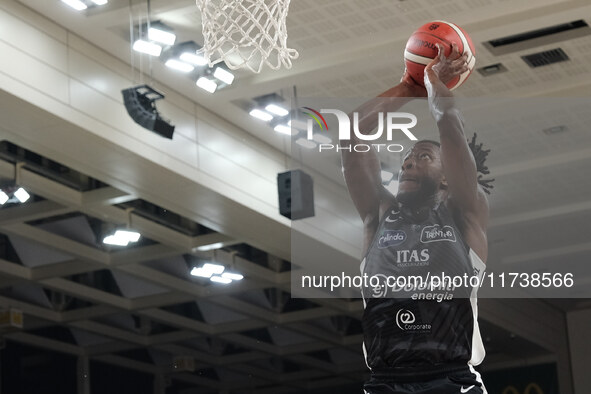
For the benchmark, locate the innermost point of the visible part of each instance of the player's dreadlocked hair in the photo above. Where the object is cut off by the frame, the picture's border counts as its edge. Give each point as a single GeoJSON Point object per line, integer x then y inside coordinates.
{"type": "Point", "coordinates": [480, 157]}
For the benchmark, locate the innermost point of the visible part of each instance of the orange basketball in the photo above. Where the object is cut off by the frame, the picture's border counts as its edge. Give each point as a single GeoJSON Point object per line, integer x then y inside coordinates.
{"type": "Point", "coordinates": [421, 49]}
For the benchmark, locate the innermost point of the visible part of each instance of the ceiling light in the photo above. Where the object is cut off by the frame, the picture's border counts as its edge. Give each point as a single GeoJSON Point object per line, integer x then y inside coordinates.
{"type": "Point", "coordinates": [193, 58]}
{"type": "Point", "coordinates": [158, 34]}
{"type": "Point", "coordinates": [492, 69]}
{"type": "Point", "coordinates": [13, 194]}
{"type": "Point", "coordinates": [131, 236]}
{"type": "Point", "coordinates": [147, 47]}
{"type": "Point", "coordinates": [284, 129]}
{"type": "Point", "coordinates": [232, 276]}
{"type": "Point", "coordinates": [219, 279]}
{"type": "Point", "coordinates": [76, 4]}
{"type": "Point", "coordinates": [223, 75]}
{"type": "Point", "coordinates": [277, 110]}
{"type": "Point", "coordinates": [122, 238]}
{"type": "Point", "coordinates": [262, 115]}
{"type": "Point", "coordinates": [321, 139]}
{"type": "Point", "coordinates": [179, 66]}
{"type": "Point", "coordinates": [22, 194]}
{"type": "Point", "coordinates": [3, 197]}
{"type": "Point", "coordinates": [207, 84]}
{"type": "Point", "coordinates": [214, 268]}
{"type": "Point", "coordinates": [208, 270]}
{"type": "Point", "coordinates": [202, 272]}
{"type": "Point", "coordinates": [306, 143]}
{"type": "Point", "coordinates": [113, 240]}
{"type": "Point", "coordinates": [205, 248]}
{"type": "Point", "coordinates": [100, 2]}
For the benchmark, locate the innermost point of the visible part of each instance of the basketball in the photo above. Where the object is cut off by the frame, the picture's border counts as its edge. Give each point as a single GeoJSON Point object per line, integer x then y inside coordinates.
{"type": "Point", "coordinates": [421, 48]}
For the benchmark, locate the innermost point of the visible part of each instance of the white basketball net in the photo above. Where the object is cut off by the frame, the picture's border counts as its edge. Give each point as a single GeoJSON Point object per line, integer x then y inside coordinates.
{"type": "Point", "coordinates": [246, 33]}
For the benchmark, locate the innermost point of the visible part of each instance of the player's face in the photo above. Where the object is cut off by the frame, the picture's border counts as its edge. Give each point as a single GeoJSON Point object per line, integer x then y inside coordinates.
{"type": "Point", "coordinates": [421, 174]}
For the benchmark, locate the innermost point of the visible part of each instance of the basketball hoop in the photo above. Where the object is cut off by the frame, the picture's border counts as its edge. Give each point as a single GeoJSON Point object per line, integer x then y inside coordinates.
{"type": "Point", "coordinates": [246, 33]}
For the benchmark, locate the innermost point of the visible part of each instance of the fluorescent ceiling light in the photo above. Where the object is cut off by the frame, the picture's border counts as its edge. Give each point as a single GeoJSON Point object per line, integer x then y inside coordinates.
{"type": "Point", "coordinates": [205, 248]}
{"type": "Point", "coordinates": [122, 238]}
{"type": "Point", "coordinates": [232, 276]}
{"type": "Point", "coordinates": [321, 139]}
{"type": "Point", "coordinates": [306, 143]}
{"type": "Point", "coordinates": [277, 110]}
{"type": "Point", "coordinates": [219, 279]}
{"type": "Point", "coordinates": [113, 240]}
{"type": "Point", "coordinates": [162, 36]}
{"type": "Point", "coordinates": [100, 2]}
{"type": "Point", "coordinates": [3, 198]}
{"type": "Point", "coordinates": [223, 75]}
{"type": "Point", "coordinates": [208, 270]}
{"type": "Point", "coordinates": [22, 195]}
{"type": "Point", "coordinates": [193, 58]}
{"type": "Point", "coordinates": [202, 272]}
{"type": "Point", "coordinates": [262, 115]}
{"type": "Point", "coordinates": [147, 47]}
{"type": "Point", "coordinates": [179, 66]}
{"type": "Point", "coordinates": [214, 268]}
{"type": "Point", "coordinates": [207, 84]}
{"type": "Point", "coordinates": [131, 236]}
{"type": "Point", "coordinates": [76, 4]}
{"type": "Point", "coordinates": [284, 129]}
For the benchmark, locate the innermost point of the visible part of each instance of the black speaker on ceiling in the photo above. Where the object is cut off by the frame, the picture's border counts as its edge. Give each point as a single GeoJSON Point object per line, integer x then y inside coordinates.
{"type": "Point", "coordinates": [296, 194]}
{"type": "Point", "coordinates": [139, 102]}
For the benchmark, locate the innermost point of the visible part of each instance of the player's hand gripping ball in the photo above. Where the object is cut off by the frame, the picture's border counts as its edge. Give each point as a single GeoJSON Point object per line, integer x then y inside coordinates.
{"type": "Point", "coordinates": [421, 48]}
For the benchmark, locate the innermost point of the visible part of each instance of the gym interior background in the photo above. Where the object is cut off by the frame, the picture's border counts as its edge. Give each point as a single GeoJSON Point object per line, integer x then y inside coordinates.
{"type": "Point", "coordinates": [82, 316]}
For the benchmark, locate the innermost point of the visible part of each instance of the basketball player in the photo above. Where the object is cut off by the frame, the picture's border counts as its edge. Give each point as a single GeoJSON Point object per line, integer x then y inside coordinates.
{"type": "Point", "coordinates": [436, 222]}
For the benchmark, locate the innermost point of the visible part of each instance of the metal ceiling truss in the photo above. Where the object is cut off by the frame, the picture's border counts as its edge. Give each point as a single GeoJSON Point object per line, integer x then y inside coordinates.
{"type": "Point", "coordinates": [99, 203]}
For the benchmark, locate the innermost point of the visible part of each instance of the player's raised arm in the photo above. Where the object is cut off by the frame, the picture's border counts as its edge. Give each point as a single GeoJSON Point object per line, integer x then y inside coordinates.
{"type": "Point", "coordinates": [362, 170]}
{"type": "Point", "coordinates": [458, 162]}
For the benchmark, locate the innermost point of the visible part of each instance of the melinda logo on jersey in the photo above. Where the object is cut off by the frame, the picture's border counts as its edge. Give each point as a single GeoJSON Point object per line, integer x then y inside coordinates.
{"type": "Point", "coordinates": [395, 121]}
{"type": "Point", "coordinates": [391, 238]}
{"type": "Point", "coordinates": [405, 320]}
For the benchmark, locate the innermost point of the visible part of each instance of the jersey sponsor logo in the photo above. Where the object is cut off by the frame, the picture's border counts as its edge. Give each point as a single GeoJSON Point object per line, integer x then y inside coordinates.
{"type": "Point", "coordinates": [437, 233]}
{"type": "Point", "coordinates": [466, 389]}
{"type": "Point", "coordinates": [391, 238]}
{"type": "Point", "coordinates": [412, 258]}
{"type": "Point", "coordinates": [406, 321]}
{"type": "Point", "coordinates": [404, 316]}
{"type": "Point", "coordinates": [393, 216]}
{"type": "Point", "coordinates": [380, 289]}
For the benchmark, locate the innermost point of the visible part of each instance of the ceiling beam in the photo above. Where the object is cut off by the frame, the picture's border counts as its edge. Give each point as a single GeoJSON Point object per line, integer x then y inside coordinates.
{"type": "Point", "coordinates": [33, 211]}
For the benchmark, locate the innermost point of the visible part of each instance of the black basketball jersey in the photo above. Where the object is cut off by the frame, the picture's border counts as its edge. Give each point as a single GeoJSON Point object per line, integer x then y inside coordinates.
{"type": "Point", "coordinates": [418, 329]}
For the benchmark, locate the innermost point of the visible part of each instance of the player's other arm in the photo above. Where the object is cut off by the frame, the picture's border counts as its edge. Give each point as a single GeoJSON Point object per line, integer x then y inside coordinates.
{"type": "Point", "coordinates": [458, 162]}
{"type": "Point", "coordinates": [362, 170]}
